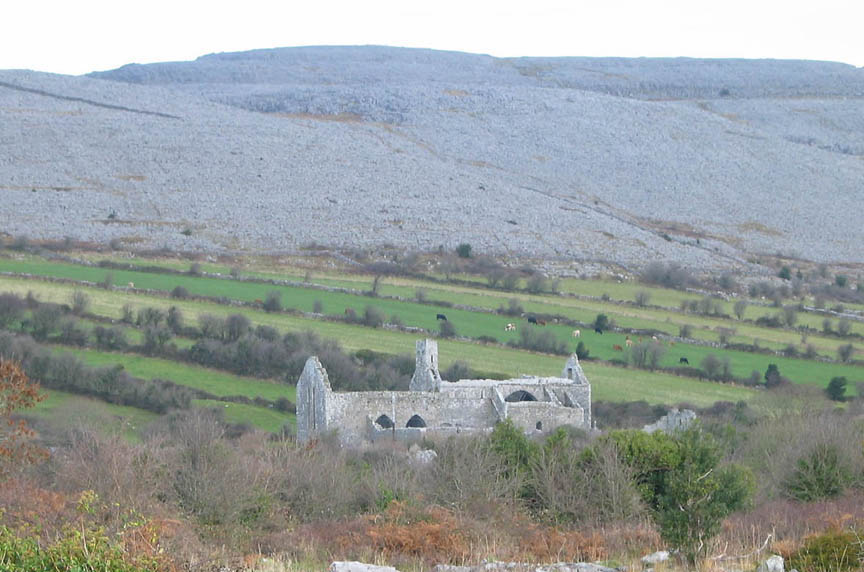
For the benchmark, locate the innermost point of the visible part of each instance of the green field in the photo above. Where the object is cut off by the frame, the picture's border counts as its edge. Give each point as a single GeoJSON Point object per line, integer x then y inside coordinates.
{"type": "Point", "coordinates": [259, 417]}
{"type": "Point", "coordinates": [609, 382]}
{"type": "Point", "coordinates": [354, 337]}
{"type": "Point", "coordinates": [107, 417]}
{"type": "Point", "coordinates": [215, 382]}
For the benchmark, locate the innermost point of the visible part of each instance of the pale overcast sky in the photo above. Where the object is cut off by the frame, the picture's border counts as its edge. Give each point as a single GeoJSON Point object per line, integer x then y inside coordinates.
{"type": "Point", "coordinates": [78, 36]}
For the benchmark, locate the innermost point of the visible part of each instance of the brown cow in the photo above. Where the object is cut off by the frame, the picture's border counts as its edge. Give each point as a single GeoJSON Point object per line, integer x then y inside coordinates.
{"type": "Point", "coordinates": [617, 348]}
{"type": "Point", "coordinates": [541, 322]}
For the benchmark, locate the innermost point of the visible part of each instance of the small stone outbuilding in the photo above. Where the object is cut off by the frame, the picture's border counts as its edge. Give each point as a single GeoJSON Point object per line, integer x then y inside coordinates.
{"type": "Point", "coordinates": [435, 406]}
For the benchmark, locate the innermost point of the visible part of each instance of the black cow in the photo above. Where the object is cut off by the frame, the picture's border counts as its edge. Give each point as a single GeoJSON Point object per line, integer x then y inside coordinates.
{"type": "Point", "coordinates": [441, 317]}
{"type": "Point", "coordinates": [532, 320]}
{"type": "Point", "coordinates": [684, 360]}
{"type": "Point", "coordinates": [598, 331]}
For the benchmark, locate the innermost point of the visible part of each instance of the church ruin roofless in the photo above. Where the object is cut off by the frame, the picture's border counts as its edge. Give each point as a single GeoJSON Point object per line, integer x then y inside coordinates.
{"type": "Point", "coordinates": [434, 406]}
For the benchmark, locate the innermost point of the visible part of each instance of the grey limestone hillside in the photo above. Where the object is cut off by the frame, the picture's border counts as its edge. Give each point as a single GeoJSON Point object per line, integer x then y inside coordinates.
{"type": "Point", "coordinates": [585, 159]}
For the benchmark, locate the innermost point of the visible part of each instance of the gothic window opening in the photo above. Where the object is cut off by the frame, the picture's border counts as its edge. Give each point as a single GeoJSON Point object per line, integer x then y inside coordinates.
{"type": "Point", "coordinates": [415, 421]}
{"type": "Point", "coordinates": [384, 422]}
{"type": "Point", "coordinates": [520, 395]}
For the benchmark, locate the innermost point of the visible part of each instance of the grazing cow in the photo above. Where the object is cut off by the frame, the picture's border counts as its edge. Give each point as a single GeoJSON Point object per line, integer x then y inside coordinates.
{"type": "Point", "coordinates": [258, 301]}
{"type": "Point", "coordinates": [576, 333]}
{"type": "Point", "coordinates": [654, 338]}
{"type": "Point", "coordinates": [617, 348]}
{"type": "Point", "coordinates": [541, 322]}
{"type": "Point", "coordinates": [628, 342]}
{"type": "Point", "coordinates": [598, 331]}
{"type": "Point", "coordinates": [440, 317]}
{"type": "Point", "coordinates": [510, 328]}
{"type": "Point", "coordinates": [671, 343]}
{"type": "Point", "coordinates": [684, 360]}
{"type": "Point", "coordinates": [131, 284]}
{"type": "Point", "coordinates": [532, 320]}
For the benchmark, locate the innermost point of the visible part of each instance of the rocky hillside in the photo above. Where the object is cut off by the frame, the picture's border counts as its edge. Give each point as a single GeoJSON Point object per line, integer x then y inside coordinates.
{"type": "Point", "coordinates": [586, 159]}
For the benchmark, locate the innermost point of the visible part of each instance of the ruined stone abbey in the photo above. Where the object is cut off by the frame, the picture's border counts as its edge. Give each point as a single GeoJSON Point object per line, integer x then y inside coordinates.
{"type": "Point", "coordinates": [435, 406]}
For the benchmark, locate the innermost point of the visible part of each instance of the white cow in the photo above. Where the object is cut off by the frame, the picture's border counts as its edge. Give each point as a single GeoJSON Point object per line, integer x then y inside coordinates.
{"type": "Point", "coordinates": [510, 328]}
{"type": "Point", "coordinates": [576, 333]}
{"type": "Point", "coordinates": [131, 284]}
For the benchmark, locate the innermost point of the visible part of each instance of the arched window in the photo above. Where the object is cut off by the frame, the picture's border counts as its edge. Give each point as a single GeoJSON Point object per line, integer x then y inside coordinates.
{"type": "Point", "coordinates": [415, 421]}
{"type": "Point", "coordinates": [520, 395]}
{"type": "Point", "coordinates": [384, 422]}
{"type": "Point", "coordinates": [539, 426]}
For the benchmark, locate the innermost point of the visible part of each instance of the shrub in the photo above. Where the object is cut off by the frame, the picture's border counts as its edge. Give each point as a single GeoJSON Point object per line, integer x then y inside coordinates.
{"type": "Point", "coordinates": [727, 282]}
{"type": "Point", "coordinates": [772, 376]}
{"type": "Point", "coordinates": [78, 549]}
{"type": "Point", "coordinates": [699, 493]}
{"type": "Point", "coordinates": [832, 551]}
{"type": "Point", "coordinates": [819, 474]}
{"type": "Point", "coordinates": [513, 308]}
{"type": "Point", "coordinates": [127, 314]}
{"type": "Point", "coordinates": [711, 365]}
{"type": "Point", "coordinates": [685, 330]}
{"type": "Point", "coordinates": [844, 327]}
{"type": "Point", "coordinates": [769, 321]}
{"type": "Point", "coordinates": [446, 329]}
{"type": "Point", "coordinates": [582, 351]}
{"type": "Point", "coordinates": [71, 333]}
{"type": "Point", "coordinates": [790, 315]}
{"type": "Point", "coordinates": [536, 284]}
{"type": "Point", "coordinates": [155, 338]}
{"type": "Point", "coordinates": [175, 319]}
{"type": "Point", "coordinates": [109, 338]}
{"type": "Point", "coordinates": [180, 292]}
{"type": "Point", "coordinates": [836, 390]}
{"type": "Point", "coordinates": [670, 275]}
{"type": "Point", "coordinates": [107, 282]}
{"type": "Point", "coordinates": [267, 333]}
{"type": "Point", "coordinates": [509, 281]}
{"type": "Point", "coordinates": [45, 320]}
{"type": "Point", "coordinates": [80, 302]}
{"type": "Point", "coordinates": [646, 355]}
{"type": "Point", "coordinates": [150, 317]}
{"type": "Point", "coordinates": [211, 326]}
{"type": "Point", "coordinates": [785, 273]}
{"type": "Point", "coordinates": [533, 339]}
{"type": "Point", "coordinates": [601, 322]}
{"type": "Point", "coordinates": [463, 250]}
{"type": "Point", "coordinates": [846, 352]}
{"type": "Point", "coordinates": [457, 370]}
{"type": "Point", "coordinates": [841, 280]}
{"type": "Point", "coordinates": [273, 301]}
{"type": "Point", "coordinates": [317, 307]}
{"type": "Point", "coordinates": [374, 317]}
{"type": "Point", "coordinates": [195, 269]}
{"type": "Point", "coordinates": [642, 298]}
{"type": "Point", "coordinates": [11, 309]}
{"type": "Point", "coordinates": [236, 326]}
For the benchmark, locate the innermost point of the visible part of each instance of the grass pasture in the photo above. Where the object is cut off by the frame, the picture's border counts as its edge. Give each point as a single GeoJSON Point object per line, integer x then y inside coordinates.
{"type": "Point", "coordinates": [610, 382]}
{"type": "Point", "coordinates": [355, 337]}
